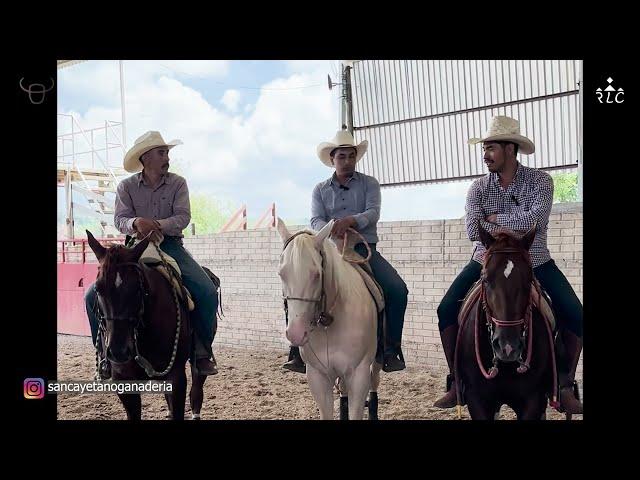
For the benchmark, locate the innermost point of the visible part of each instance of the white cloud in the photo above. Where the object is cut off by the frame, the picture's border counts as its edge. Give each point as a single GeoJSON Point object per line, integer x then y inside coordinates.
{"type": "Point", "coordinates": [230, 99]}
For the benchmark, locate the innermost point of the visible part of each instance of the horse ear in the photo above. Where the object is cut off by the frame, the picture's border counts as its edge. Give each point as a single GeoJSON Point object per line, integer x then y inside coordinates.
{"type": "Point", "coordinates": [323, 234]}
{"type": "Point", "coordinates": [527, 238]}
{"type": "Point", "coordinates": [138, 250]}
{"type": "Point", "coordinates": [283, 230]}
{"type": "Point", "coordinates": [485, 237]}
{"type": "Point", "coordinates": [95, 245]}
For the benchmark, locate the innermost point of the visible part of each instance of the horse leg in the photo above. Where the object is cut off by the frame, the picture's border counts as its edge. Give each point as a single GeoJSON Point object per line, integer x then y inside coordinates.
{"type": "Point", "coordinates": [344, 399]}
{"type": "Point", "coordinates": [196, 394]}
{"type": "Point", "coordinates": [322, 391]}
{"type": "Point", "coordinates": [344, 407]}
{"type": "Point", "coordinates": [169, 398]}
{"type": "Point", "coordinates": [481, 409]}
{"type": "Point", "coordinates": [179, 393]}
{"type": "Point", "coordinates": [372, 404]}
{"type": "Point", "coordinates": [358, 387]}
{"type": "Point", "coordinates": [132, 405]}
{"type": "Point", "coordinates": [496, 415]}
{"type": "Point", "coordinates": [534, 409]}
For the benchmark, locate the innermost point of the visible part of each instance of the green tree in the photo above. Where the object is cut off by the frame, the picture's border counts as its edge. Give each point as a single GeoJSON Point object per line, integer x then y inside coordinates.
{"type": "Point", "coordinates": [565, 187]}
{"type": "Point", "coordinates": [207, 213]}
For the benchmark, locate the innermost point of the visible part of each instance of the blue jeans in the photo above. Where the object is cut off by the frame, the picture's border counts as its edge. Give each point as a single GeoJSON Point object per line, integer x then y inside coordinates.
{"type": "Point", "coordinates": [197, 282]}
{"type": "Point", "coordinates": [395, 296]}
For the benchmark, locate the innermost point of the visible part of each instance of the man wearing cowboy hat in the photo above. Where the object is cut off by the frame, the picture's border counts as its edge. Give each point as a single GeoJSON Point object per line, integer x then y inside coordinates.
{"type": "Point", "coordinates": [155, 201]}
{"type": "Point", "coordinates": [353, 200]}
{"type": "Point", "coordinates": [515, 197]}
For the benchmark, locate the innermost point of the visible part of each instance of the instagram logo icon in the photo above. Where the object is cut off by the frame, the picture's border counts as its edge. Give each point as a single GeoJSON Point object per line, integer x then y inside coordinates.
{"type": "Point", "coordinates": [33, 388]}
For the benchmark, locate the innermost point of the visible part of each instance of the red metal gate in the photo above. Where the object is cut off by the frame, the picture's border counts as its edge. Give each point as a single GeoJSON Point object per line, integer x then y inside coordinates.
{"type": "Point", "coordinates": [77, 270]}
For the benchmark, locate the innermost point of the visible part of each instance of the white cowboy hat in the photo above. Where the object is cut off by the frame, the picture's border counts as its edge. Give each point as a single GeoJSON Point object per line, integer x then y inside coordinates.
{"type": "Point", "coordinates": [142, 145]}
{"type": "Point", "coordinates": [342, 139]}
{"type": "Point", "coordinates": [505, 129]}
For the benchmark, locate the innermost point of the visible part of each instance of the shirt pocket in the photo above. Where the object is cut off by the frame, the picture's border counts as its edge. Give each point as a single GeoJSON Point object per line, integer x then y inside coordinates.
{"type": "Point", "coordinates": [166, 207]}
{"type": "Point", "coordinates": [329, 201]}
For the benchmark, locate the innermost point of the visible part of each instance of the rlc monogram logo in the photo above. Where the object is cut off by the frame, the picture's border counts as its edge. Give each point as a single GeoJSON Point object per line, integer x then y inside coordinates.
{"type": "Point", "coordinates": [610, 94]}
{"type": "Point", "coordinates": [36, 89]}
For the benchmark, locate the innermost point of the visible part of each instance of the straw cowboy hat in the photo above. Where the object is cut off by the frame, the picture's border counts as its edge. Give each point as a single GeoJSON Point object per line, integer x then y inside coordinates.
{"type": "Point", "coordinates": [505, 129]}
{"type": "Point", "coordinates": [142, 145]}
{"type": "Point", "coordinates": [342, 139]}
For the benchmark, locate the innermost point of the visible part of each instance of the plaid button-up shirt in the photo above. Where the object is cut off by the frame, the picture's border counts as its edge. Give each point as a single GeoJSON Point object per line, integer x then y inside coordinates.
{"type": "Point", "coordinates": [525, 201]}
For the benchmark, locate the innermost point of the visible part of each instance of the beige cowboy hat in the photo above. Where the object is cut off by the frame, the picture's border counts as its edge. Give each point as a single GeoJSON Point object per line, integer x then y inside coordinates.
{"type": "Point", "coordinates": [142, 145]}
{"type": "Point", "coordinates": [505, 129]}
{"type": "Point", "coordinates": [342, 139]}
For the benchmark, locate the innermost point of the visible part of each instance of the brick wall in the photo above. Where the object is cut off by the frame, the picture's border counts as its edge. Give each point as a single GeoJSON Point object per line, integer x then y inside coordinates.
{"type": "Point", "coordinates": [427, 254]}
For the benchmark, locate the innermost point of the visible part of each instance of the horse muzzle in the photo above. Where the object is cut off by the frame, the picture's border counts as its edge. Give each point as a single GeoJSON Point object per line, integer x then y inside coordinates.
{"type": "Point", "coordinates": [297, 335]}
{"type": "Point", "coordinates": [120, 357]}
{"type": "Point", "coordinates": [507, 351]}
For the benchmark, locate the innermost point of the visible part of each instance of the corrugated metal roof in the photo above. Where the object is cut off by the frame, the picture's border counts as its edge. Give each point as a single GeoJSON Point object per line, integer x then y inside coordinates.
{"type": "Point", "coordinates": [419, 114]}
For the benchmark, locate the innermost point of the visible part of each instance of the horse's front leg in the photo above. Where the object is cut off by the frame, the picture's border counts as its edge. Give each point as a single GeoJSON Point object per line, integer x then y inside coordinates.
{"type": "Point", "coordinates": [322, 391]}
{"type": "Point", "coordinates": [132, 405]}
{"type": "Point", "coordinates": [178, 393]}
{"type": "Point", "coordinates": [357, 387]}
{"type": "Point", "coordinates": [481, 407]}
{"type": "Point", "coordinates": [532, 408]}
{"type": "Point", "coordinates": [196, 394]}
{"type": "Point", "coordinates": [372, 403]}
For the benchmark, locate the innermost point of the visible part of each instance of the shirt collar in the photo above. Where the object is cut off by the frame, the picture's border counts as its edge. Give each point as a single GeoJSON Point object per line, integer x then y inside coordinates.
{"type": "Point", "coordinates": [334, 178]}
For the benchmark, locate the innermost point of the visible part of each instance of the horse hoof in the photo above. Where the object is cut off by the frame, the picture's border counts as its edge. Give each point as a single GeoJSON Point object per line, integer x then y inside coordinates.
{"type": "Point", "coordinates": [195, 416]}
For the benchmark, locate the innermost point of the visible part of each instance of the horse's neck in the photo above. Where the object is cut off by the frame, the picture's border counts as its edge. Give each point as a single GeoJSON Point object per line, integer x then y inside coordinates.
{"type": "Point", "coordinates": [158, 292]}
{"type": "Point", "coordinates": [339, 276]}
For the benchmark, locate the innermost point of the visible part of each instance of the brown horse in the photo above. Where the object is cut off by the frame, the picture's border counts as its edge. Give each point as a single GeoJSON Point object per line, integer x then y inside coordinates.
{"type": "Point", "coordinates": [505, 349]}
{"type": "Point", "coordinates": [145, 328]}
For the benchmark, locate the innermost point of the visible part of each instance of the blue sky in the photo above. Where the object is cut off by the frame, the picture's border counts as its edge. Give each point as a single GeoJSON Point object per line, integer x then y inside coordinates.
{"type": "Point", "coordinates": [250, 129]}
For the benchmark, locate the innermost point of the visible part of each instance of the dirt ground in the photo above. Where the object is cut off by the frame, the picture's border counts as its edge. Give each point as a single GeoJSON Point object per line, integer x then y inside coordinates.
{"type": "Point", "coordinates": [251, 385]}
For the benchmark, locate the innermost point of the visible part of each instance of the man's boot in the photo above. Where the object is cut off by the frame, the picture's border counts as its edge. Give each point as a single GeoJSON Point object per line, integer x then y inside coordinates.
{"type": "Point", "coordinates": [568, 356]}
{"type": "Point", "coordinates": [205, 364]}
{"type": "Point", "coordinates": [449, 336]}
{"type": "Point", "coordinates": [295, 362]}
{"type": "Point", "coordinates": [394, 362]}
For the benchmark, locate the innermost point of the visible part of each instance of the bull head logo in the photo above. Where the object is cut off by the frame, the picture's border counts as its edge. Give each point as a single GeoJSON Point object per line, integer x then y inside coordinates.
{"type": "Point", "coordinates": [36, 89]}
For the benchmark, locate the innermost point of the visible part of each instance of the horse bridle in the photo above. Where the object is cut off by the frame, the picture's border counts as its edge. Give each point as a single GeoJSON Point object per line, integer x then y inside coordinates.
{"type": "Point", "coordinates": [321, 316]}
{"type": "Point", "coordinates": [138, 320]}
{"type": "Point", "coordinates": [144, 290]}
{"type": "Point", "coordinates": [526, 320]}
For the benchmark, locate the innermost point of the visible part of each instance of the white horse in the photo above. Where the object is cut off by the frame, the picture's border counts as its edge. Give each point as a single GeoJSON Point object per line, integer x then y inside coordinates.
{"type": "Point", "coordinates": [318, 285]}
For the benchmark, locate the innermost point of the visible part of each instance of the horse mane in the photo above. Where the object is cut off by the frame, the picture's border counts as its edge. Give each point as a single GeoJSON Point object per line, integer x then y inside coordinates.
{"type": "Point", "coordinates": [505, 238]}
